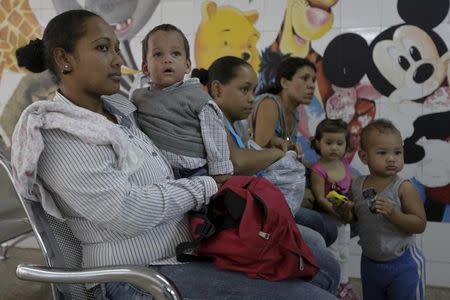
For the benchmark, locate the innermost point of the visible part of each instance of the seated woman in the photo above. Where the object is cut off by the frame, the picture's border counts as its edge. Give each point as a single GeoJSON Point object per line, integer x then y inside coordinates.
{"type": "Point", "coordinates": [231, 83]}
{"type": "Point", "coordinates": [275, 118]}
{"type": "Point", "coordinates": [106, 178]}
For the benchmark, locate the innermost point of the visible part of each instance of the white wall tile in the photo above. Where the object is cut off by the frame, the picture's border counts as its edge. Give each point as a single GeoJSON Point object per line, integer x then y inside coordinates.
{"type": "Point", "coordinates": [337, 13]}
{"type": "Point", "coordinates": [245, 5]}
{"type": "Point", "coordinates": [34, 4]}
{"type": "Point", "coordinates": [357, 13]}
{"type": "Point", "coordinates": [176, 13]}
{"type": "Point", "coordinates": [266, 39]}
{"type": "Point", "coordinates": [48, 4]}
{"type": "Point", "coordinates": [197, 14]}
{"type": "Point", "coordinates": [45, 15]}
{"type": "Point", "coordinates": [272, 15]}
{"type": "Point", "coordinates": [433, 242]}
{"type": "Point", "coordinates": [389, 13]}
{"type": "Point", "coordinates": [368, 33]}
{"type": "Point", "coordinates": [191, 40]}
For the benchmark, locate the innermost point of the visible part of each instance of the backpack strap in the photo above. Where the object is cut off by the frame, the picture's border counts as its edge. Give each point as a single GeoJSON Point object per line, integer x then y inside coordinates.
{"type": "Point", "coordinates": [203, 231]}
{"type": "Point", "coordinates": [225, 208]}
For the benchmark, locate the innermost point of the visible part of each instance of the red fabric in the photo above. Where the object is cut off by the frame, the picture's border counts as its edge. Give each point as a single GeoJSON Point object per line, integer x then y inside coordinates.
{"type": "Point", "coordinates": [243, 249]}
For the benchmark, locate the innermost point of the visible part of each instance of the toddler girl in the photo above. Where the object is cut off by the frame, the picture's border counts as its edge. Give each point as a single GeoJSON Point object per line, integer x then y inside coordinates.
{"type": "Point", "coordinates": [332, 173]}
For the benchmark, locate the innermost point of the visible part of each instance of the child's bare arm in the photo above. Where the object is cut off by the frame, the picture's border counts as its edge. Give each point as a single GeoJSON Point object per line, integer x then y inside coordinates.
{"type": "Point", "coordinates": [411, 218]}
{"type": "Point", "coordinates": [318, 189]}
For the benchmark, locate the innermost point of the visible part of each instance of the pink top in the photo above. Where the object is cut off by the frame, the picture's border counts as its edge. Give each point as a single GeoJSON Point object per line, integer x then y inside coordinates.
{"type": "Point", "coordinates": [343, 185]}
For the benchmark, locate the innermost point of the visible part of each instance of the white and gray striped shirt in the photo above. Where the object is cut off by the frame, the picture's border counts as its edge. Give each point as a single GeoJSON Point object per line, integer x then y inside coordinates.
{"type": "Point", "coordinates": [120, 218]}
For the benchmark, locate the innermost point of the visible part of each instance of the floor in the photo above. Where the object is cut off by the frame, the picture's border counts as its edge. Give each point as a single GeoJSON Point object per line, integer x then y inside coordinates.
{"type": "Point", "coordinates": [431, 293]}
{"type": "Point", "coordinates": [13, 288]}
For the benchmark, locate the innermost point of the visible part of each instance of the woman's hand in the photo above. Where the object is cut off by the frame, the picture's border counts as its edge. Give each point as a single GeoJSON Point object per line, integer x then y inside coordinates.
{"type": "Point", "coordinates": [282, 144]}
{"type": "Point", "coordinates": [277, 142]}
{"type": "Point", "coordinates": [297, 148]}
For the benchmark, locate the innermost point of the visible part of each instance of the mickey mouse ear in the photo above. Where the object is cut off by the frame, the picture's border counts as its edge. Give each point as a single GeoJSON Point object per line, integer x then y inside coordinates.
{"type": "Point", "coordinates": [424, 14]}
{"type": "Point", "coordinates": [346, 59]}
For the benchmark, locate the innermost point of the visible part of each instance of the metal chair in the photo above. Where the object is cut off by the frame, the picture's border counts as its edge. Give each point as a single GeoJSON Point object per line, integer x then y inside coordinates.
{"type": "Point", "coordinates": [62, 254]}
{"type": "Point", "coordinates": [14, 225]}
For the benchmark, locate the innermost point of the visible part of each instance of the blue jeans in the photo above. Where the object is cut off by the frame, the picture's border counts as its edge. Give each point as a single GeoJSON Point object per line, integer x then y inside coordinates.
{"type": "Point", "coordinates": [206, 281]}
{"type": "Point", "coordinates": [318, 221]}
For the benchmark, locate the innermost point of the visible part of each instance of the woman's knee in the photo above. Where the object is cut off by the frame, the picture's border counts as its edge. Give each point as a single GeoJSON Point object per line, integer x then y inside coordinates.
{"type": "Point", "coordinates": [311, 237]}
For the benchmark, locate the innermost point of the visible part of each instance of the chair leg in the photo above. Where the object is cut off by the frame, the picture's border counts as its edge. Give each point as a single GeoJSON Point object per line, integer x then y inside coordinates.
{"type": "Point", "coordinates": [3, 250]}
{"type": "Point", "coordinates": [4, 247]}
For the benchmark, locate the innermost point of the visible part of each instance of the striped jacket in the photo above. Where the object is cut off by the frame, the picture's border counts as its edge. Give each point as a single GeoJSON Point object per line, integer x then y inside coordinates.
{"type": "Point", "coordinates": [119, 218]}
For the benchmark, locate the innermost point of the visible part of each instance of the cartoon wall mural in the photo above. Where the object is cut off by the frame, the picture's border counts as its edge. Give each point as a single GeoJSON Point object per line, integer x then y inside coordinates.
{"type": "Point", "coordinates": [400, 73]}
{"type": "Point", "coordinates": [408, 64]}
{"type": "Point", "coordinates": [18, 25]}
{"type": "Point", "coordinates": [304, 21]}
{"type": "Point", "coordinates": [225, 30]}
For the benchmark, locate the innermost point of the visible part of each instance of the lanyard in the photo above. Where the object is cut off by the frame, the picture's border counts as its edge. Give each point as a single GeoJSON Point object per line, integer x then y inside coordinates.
{"type": "Point", "coordinates": [235, 136]}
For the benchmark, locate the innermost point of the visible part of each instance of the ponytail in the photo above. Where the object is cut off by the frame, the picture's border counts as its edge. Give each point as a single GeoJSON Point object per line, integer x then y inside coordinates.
{"type": "Point", "coordinates": [32, 56]}
{"type": "Point", "coordinates": [201, 74]}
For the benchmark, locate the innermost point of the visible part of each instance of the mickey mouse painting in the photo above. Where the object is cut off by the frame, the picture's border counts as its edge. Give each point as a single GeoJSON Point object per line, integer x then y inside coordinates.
{"type": "Point", "coordinates": [408, 64]}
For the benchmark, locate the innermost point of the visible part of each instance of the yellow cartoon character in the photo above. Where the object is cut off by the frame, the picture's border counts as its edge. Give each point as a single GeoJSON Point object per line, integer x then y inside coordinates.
{"type": "Point", "coordinates": [304, 21]}
{"type": "Point", "coordinates": [225, 30]}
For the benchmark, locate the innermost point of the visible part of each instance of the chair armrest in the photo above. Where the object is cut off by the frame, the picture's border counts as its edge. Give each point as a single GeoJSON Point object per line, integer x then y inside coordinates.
{"type": "Point", "coordinates": [143, 277]}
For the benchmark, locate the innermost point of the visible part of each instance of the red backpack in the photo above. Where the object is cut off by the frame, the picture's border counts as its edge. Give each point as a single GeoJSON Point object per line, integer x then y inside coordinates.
{"type": "Point", "coordinates": [248, 227]}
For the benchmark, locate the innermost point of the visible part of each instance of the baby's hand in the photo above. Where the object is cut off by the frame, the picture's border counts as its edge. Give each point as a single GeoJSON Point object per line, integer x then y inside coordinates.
{"type": "Point", "coordinates": [383, 206]}
{"type": "Point", "coordinates": [344, 210]}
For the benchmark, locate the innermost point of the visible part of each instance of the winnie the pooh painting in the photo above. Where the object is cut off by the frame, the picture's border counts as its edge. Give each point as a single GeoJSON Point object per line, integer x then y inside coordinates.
{"type": "Point", "coordinates": [225, 30]}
